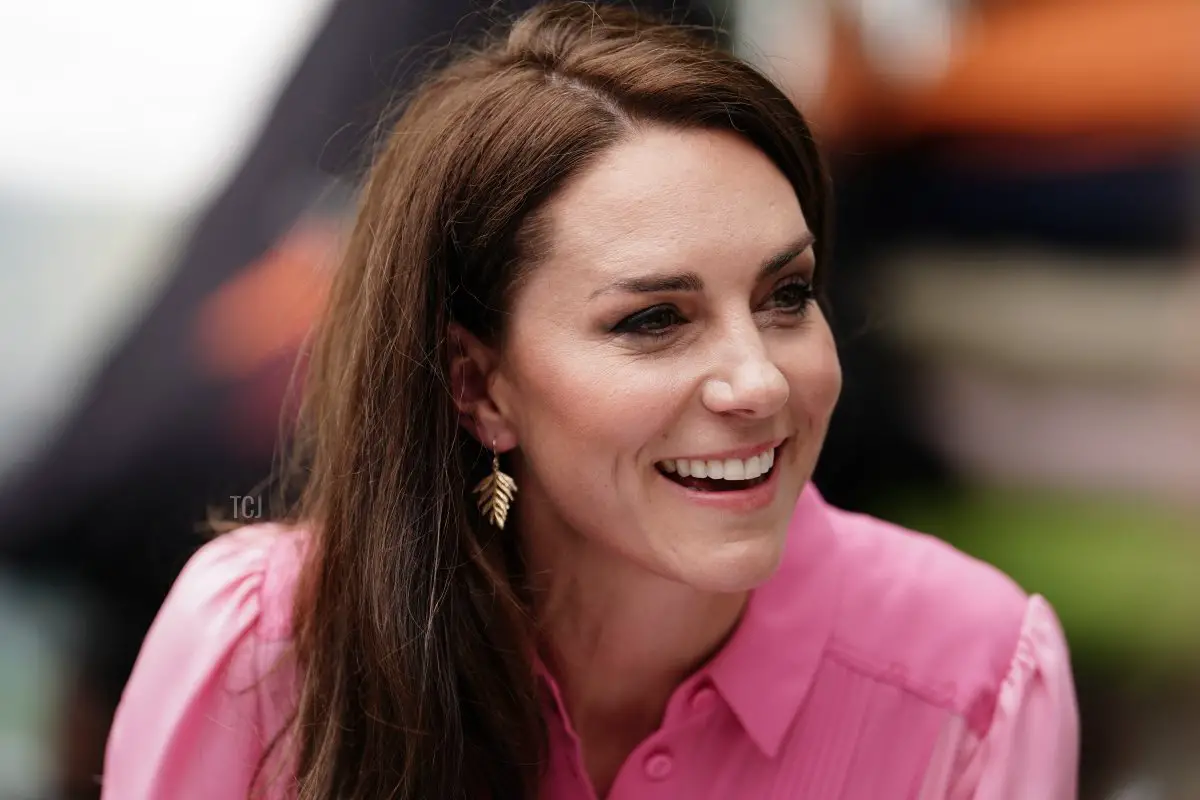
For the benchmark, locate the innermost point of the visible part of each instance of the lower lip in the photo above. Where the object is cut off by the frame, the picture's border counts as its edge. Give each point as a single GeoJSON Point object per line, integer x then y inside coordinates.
{"type": "Point", "coordinates": [752, 499]}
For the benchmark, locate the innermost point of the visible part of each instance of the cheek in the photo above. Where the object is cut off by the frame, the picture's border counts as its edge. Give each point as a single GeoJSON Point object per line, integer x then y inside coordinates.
{"type": "Point", "coordinates": [584, 424]}
{"type": "Point", "coordinates": [815, 380]}
{"type": "Point", "coordinates": [584, 403]}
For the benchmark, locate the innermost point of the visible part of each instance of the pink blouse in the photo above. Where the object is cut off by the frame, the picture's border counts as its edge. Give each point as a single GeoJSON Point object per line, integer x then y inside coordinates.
{"type": "Point", "coordinates": [875, 664]}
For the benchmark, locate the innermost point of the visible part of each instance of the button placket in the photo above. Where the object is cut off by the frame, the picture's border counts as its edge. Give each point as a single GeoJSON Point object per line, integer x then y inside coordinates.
{"type": "Point", "coordinates": [704, 699]}
{"type": "Point", "coordinates": [659, 765]}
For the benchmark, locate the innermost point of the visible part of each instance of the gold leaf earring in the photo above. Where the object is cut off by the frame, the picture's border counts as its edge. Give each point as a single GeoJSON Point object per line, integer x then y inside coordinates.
{"type": "Point", "coordinates": [495, 493]}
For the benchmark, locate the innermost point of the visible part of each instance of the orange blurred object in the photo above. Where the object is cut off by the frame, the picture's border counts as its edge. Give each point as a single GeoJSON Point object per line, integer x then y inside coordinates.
{"type": "Point", "coordinates": [1129, 69]}
{"type": "Point", "coordinates": [268, 308]}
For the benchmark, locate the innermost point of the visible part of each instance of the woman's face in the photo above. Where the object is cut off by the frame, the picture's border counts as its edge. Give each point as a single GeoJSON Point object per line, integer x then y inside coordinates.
{"type": "Point", "coordinates": [666, 375]}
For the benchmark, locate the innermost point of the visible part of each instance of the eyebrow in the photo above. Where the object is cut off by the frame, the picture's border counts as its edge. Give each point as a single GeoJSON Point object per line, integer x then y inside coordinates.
{"type": "Point", "coordinates": [691, 282]}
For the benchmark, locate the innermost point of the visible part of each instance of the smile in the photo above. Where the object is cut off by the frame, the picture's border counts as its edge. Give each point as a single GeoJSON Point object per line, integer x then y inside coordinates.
{"type": "Point", "coordinates": [721, 474]}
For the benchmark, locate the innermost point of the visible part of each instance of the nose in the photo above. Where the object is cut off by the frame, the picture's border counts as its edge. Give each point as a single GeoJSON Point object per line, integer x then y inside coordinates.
{"type": "Point", "coordinates": [750, 386]}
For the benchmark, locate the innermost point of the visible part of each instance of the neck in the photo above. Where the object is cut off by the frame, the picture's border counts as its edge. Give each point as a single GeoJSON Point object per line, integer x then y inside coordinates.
{"type": "Point", "coordinates": [619, 640]}
{"type": "Point", "coordinates": [651, 636]}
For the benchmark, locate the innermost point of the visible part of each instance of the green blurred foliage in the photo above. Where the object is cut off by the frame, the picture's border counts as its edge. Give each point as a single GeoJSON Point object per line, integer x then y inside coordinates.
{"type": "Point", "coordinates": [1123, 574]}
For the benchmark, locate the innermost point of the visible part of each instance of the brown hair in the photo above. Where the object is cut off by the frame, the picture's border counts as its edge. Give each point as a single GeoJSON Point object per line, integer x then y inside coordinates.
{"type": "Point", "coordinates": [412, 632]}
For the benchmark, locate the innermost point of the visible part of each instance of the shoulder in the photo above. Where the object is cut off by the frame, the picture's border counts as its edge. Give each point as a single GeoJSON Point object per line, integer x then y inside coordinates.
{"type": "Point", "coordinates": [247, 574]}
{"type": "Point", "coordinates": [916, 612]}
{"type": "Point", "coordinates": [207, 688]}
{"type": "Point", "coordinates": [229, 611]}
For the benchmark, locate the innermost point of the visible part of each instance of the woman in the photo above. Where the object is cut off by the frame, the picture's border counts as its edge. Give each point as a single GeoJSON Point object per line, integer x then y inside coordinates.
{"type": "Point", "coordinates": [557, 537]}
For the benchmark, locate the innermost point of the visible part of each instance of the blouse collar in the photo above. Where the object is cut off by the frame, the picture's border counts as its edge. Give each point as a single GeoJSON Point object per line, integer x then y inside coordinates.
{"type": "Point", "coordinates": [766, 669]}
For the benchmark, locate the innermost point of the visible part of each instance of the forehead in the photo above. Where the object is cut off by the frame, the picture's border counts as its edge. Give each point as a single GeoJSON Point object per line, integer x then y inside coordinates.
{"type": "Point", "coordinates": [670, 199]}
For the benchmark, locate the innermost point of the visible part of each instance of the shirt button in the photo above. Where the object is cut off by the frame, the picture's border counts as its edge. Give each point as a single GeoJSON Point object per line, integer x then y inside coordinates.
{"type": "Point", "coordinates": [704, 699]}
{"type": "Point", "coordinates": [659, 766]}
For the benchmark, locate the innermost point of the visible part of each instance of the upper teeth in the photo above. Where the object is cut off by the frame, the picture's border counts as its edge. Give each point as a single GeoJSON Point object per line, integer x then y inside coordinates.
{"type": "Point", "coordinates": [730, 469]}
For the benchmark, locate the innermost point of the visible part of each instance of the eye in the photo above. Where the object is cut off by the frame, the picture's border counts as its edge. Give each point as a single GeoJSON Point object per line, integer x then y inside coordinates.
{"type": "Point", "coordinates": [655, 321]}
{"type": "Point", "coordinates": [793, 296]}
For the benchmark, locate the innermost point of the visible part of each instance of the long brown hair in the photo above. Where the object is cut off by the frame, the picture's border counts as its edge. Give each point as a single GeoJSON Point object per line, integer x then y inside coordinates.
{"type": "Point", "coordinates": [413, 637]}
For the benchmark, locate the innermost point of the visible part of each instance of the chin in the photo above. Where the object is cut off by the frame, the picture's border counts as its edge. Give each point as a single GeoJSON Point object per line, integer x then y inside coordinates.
{"type": "Point", "coordinates": [736, 566]}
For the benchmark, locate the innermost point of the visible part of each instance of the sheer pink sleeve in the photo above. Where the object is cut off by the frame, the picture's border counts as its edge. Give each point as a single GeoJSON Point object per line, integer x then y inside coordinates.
{"type": "Point", "coordinates": [1031, 750]}
{"type": "Point", "coordinates": [189, 724]}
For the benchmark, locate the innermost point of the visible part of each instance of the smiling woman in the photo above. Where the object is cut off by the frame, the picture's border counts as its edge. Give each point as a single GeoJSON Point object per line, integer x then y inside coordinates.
{"type": "Point", "coordinates": [583, 280]}
{"type": "Point", "coordinates": [669, 319]}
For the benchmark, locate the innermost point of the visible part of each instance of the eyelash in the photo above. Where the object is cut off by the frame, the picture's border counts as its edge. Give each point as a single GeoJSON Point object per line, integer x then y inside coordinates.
{"type": "Point", "coordinates": [635, 324]}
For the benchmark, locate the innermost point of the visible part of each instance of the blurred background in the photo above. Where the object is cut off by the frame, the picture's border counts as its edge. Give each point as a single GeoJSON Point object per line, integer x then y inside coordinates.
{"type": "Point", "coordinates": [1015, 280]}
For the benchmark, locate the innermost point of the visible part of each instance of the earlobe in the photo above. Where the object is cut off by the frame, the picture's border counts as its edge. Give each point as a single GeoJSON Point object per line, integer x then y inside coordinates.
{"type": "Point", "coordinates": [471, 366]}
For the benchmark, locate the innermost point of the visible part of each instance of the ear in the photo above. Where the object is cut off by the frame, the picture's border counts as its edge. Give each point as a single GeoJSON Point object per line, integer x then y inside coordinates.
{"type": "Point", "coordinates": [472, 370]}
